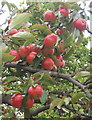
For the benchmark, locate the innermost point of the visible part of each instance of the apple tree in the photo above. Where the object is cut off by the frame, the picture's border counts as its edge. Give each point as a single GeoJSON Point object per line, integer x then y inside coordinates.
{"type": "Point", "coordinates": [46, 70]}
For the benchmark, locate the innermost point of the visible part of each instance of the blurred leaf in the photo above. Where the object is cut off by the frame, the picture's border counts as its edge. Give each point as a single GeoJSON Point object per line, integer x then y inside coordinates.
{"type": "Point", "coordinates": [82, 74]}
{"type": "Point", "coordinates": [24, 36]}
{"type": "Point", "coordinates": [77, 96]}
{"type": "Point", "coordinates": [54, 103]}
{"type": "Point", "coordinates": [43, 28]}
{"type": "Point", "coordinates": [67, 100]}
{"type": "Point", "coordinates": [19, 20]}
{"type": "Point", "coordinates": [12, 91]}
{"type": "Point", "coordinates": [7, 57]}
{"type": "Point", "coordinates": [44, 96]}
{"type": "Point", "coordinates": [11, 78]}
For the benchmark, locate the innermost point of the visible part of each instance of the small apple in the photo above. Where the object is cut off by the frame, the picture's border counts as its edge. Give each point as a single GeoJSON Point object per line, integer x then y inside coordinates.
{"type": "Point", "coordinates": [48, 52]}
{"type": "Point", "coordinates": [49, 16]}
{"type": "Point", "coordinates": [31, 57]}
{"type": "Point", "coordinates": [13, 31]}
{"type": "Point", "coordinates": [29, 103]}
{"type": "Point", "coordinates": [14, 53]}
{"type": "Point", "coordinates": [80, 24]}
{"type": "Point", "coordinates": [48, 64]}
{"type": "Point", "coordinates": [24, 51]}
{"type": "Point", "coordinates": [50, 40]}
{"type": "Point", "coordinates": [64, 11]}
{"type": "Point", "coordinates": [35, 92]}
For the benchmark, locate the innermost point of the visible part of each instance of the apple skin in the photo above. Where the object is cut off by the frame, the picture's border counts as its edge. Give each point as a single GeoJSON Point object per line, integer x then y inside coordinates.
{"type": "Point", "coordinates": [30, 103]}
{"type": "Point", "coordinates": [48, 52]}
{"type": "Point", "coordinates": [31, 57]}
{"type": "Point", "coordinates": [21, 30]}
{"type": "Point", "coordinates": [12, 32]}
{"type": "Point", "coordinates": [59, 61]}
{"type": "Point", "coordinates": [48, 64]}
{"type": "Point", "coordinates": [35, 92]}
{"type": "Point", "coordinates": [80, 24]}
{"type": "Point", "coordinates": [50, 40]}
{"type": "Point", "coordinates": [34, 48]}
{"type": "Point", "coordinates": [16, 100]}
{"type": "Point", "coordinates": [64, 11]}
{"type": "Point", "coordinates": [16, 54]}
{"type": "Point", "coordinates": [24, 51]}
{"type": "Point", "coordinates": [49, 16]}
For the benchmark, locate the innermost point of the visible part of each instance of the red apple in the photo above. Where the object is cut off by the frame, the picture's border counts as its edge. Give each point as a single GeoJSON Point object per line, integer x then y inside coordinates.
{"type": "Point", "coordinates": [29, 103]}
{"type": "Point", "coordinates": [35, 92]}
{"type": "Point", "coordinates": [64, 11]}
{"type": "Point", "coordinates": [24, 51]}
{"type": "Point", "coordinates": [48, 52]}
{"type": "Point", "coordinates": [13, 31]}
{"type": "Point", "coordinates": [49, 16]}
{"type": "Point", "coordinates": [48, 64]}
{"type": "Point", "coordinates": [50, 40]}
{"type": "Point", "coordinates": [31, 57]}
{"type": "Point", "coordinates": [16, 100]}
{"type": "Point", "coordinates": [21, 30]}
{"type": "Point", "coordinates": [80, 24]}
{"type": "Point", "coordinates": [14, 53]}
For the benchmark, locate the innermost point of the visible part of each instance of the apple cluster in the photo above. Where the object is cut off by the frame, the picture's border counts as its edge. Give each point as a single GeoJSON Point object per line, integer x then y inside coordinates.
{"type": "Point", "coordinates": [34, 93]}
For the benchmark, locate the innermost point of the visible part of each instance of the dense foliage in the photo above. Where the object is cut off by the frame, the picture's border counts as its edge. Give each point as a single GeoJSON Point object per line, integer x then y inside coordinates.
{"type": "Point", "coordinates": [46, 62]}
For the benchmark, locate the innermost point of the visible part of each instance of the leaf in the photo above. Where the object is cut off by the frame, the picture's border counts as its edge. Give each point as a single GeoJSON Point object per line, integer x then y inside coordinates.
{"type": "Point", "coordinates": [54, 103]}
{"type": "Point", "coordinates": [77, 96]}
{"type": "Point", "coordinates": [12, 78]}
{"type": "Point", "coordinates": [82, 74]}
{"type": "Point", "coordinates": [44, 96]}
{"type": "Point", "coordinates": [19, 20]}
{"type": "Point", "coordinates": [7, 57]}
{"type": "Point", "coordinates": [43, 28]}
{"type": "Point", "coordinates": [67, 100]}
{"type": "Point", "coordinates": [12, 91]}
{"type": "Point", "coordinates": [24, 36]}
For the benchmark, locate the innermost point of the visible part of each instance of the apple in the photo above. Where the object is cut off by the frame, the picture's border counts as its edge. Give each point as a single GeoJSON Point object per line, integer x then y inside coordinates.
{"type": "Point", "coordinates": [29, 103]}
{"type": "Point", "coordinates": [48, 52]}
{"type": "Point", "coordinates": [50, 40]}
{"type": "Point", "coordinates": [80, 24]}
{"type": "Point", "coordinates": [13, 31]}
{"type": "Point", "coordinates": [21, 30]}
{"type": "Point", "coordinates": [58, 60]}
{"type": "Point", "coordinates": [64, 11]}
{"type": "Point", "coordinates": [31, 57]}
{"type": "Point", "coordinates": [16, 100]}
{"type": "Point", "coordinates": [34, 48]}
{"type": "Point", "coordinates": [49, 16]}
{"type": "Point", "coordinates": [24, 51]}
{"type": "Point", "coordinates": [48, 64]}
{"type": "Point", "coordinates": [14, 53]}
{"type": "Point", "coordinates": [35, 92]}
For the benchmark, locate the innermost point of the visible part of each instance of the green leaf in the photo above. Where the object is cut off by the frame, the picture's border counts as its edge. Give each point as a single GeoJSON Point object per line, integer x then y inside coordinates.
{"type": "Point", "coordinates": [12, 78]}
{"type": "Point", "coordinates": [19, 20]}
{"type": "Point", "coordinates": [12, 91]}
{"type": "Point", "coordinates": [77, 96]}
{"type": "Point", "coordinates": [82, 74]}
{"type": "Point", "coordinates": [24, 36]}
{"type": "Point", "coordinates": [43, 29]}
{"type": "Point", "coordinates": [54, 103]}
{"type": "Point", "coordinates": [44, 96]}
{"type": "Point", "coordinates": [7, 57]}
{"type": "Point", "coordinates": [67, 100]}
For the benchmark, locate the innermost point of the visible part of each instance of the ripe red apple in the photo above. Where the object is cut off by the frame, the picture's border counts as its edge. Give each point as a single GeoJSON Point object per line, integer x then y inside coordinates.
{"type": "Point", "coordinates": [48, 52]}
{"type": "Point", "coordinates": [31, 57]}
{"type": "Point", "coordinates": [24, 51]}
{"type": "Point", "coordinates": [48, 64]}
{"type": "Point", "coordinates": [49, 16]}
{"type": "Point", "coordinates": [29, 103]}
{"type": "Point", "coordinates": [61, 47]}
{"type": "Point", "coordinates": [14, 53]}
{"type": "Point", "coordinates": [50, 40]}
{"type": "Point", "coordinates": [80, 24]}
{"type": "Point", "coordinates": [60, 31]}
{"type": "Point", "coordinates": [13, 31]}
{"type": "Point", "coordinates": [35, 92]}
{"type": "Point", "coordinates": [16, 100]}
{"type": "Point", "coordinates": [64, 11]}
{"type": "Point", "coordinates": [34, 48]}
{"type": "Point", "coordinates": [21, 30]}
{"type": "Point", "coordinates": [58, 60]}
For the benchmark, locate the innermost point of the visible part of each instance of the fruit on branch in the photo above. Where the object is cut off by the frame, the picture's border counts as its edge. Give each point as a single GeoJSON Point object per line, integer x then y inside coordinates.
{"type": "Point", "coordinates": [58, 60]}
{"type": "Point", "coordinates": [34, 48]}
{"type": "Point", "coordinates": [31, 57]}
{"type": "Point", "coordinates": [48, 64]}
{"type": "Point", "coordinates": [80, 24]}
{"type": "Point", "coordinates": [50, 40]}
{"type": "Point", "coordinates": [16, 100]}
{"type": "Point", "coordinates": [13, 31]}
{"type": "Point", "coordinates": [49, 16]}
{"type": "Point", "coordinates": [64, 11]}
{"type": "Point", "coordinates": [29, 103]}
{"type": "Point", "coordinates": [61, 47]}
{"type": "Point", "coordinates": [14, 53]}
{"type": "Point", "coordinates": [24, 51]}
{"type": "Point", "coordinates": [48, 52]}
{"type": "Point", "coordinates": [60, 31]}
{"type": "Point", "coordinates": [35, 92]}
{"type": "Point", "coordinates": [21, 30]}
